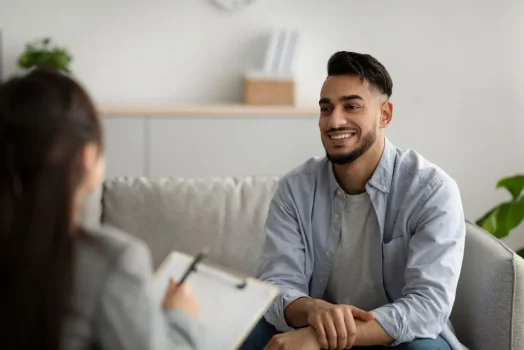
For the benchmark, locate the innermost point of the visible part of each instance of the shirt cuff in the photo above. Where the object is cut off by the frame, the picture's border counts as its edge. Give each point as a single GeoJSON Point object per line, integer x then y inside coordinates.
{"type": "Point", "coordinates": [275, 313]}
{"type": "Point", "coordinates": [394, 323]}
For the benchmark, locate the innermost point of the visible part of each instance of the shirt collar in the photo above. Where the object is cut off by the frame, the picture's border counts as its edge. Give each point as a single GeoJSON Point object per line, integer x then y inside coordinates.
{"type": "Point", "coordinates": [381, 178]}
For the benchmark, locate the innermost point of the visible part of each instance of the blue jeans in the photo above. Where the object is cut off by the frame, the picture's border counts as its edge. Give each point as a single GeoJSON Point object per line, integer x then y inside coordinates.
{"type": "Point", "coordinates": [263, 333]}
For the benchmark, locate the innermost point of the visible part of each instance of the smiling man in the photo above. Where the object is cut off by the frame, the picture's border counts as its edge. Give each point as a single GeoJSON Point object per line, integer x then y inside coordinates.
{"type": "Point", "coordinates": [366, 244]}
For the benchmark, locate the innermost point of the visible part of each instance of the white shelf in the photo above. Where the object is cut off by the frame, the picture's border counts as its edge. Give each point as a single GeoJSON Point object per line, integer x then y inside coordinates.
{"type": "Point", "coordinates": [207, 110]}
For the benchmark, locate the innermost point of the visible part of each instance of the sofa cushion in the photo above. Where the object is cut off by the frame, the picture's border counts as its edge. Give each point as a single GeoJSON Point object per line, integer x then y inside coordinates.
{"type": "Point", "coordinates": [227, 215]}
{"type": "Point", "coordinates": [488, 311]}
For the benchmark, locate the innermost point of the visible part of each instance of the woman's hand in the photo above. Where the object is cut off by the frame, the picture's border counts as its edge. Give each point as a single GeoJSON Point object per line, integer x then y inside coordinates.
{"type": "Point", "coordinates": [181, 297]}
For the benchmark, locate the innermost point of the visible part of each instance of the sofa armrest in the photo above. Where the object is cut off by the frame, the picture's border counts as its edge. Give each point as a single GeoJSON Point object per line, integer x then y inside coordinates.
{"type": "Point", "coordinates": [488, 311]}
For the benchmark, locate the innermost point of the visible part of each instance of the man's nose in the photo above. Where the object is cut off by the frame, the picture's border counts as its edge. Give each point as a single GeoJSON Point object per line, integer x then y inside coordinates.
{"type": "Point", "coordinates": [338, 118]}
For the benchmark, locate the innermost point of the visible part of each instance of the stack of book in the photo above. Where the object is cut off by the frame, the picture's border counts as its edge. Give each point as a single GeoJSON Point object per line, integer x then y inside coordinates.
{"type": "Point", "coordinates": [274, 83]}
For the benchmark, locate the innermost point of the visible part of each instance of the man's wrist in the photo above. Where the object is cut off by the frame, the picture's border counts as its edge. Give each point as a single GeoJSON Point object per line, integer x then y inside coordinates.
{"type": "Point", "coordinates": [297, 313]}
{"type": "Point", "coordinates": [371, 333]}
{"type": "Point", "coordinates": [311, 335]}
{"type": "Point", "coordinates": [316, 305]}
{"type": "Point", "coordinates": [310, 305]}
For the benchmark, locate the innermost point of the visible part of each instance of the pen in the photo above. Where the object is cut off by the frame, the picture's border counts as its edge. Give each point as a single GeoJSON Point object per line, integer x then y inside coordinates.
{"type": "Point", "coordinates": [191, 267]}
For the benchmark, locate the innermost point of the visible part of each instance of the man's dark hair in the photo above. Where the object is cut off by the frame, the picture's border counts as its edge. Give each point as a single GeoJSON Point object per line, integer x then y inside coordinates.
{"type": "Point", "coordinates": [365, 66]}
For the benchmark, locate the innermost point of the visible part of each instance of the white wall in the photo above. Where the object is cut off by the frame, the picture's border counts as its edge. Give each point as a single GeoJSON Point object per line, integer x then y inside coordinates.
{"type": "Point", "coordinates": [457, 66]}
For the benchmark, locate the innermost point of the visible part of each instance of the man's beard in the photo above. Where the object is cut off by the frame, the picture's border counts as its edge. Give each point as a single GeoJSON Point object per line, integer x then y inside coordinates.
{"type": "Point", "coordinates": [368, 141]}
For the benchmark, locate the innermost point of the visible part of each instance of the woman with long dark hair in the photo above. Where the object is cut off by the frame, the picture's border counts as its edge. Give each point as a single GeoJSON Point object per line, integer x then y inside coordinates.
{"type": "Point", "coordinates": [64, 287]}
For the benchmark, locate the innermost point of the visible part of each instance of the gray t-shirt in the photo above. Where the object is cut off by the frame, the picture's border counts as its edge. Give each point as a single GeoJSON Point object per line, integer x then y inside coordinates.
{"type": "Point", "coordinates": [352, 280]}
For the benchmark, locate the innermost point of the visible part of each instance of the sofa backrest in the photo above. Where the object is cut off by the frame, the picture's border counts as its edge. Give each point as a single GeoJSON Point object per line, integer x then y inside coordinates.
{"type": "Point", "coordinates": [226, 215]}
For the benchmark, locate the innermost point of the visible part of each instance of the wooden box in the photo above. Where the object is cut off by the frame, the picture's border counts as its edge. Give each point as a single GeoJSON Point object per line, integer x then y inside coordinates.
{"type": "Point", "coordinates": [267, 91]}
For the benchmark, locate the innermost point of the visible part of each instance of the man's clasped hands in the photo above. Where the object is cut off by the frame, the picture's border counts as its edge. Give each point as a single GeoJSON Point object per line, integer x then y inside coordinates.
{"type": "Point", "coordinates": [329, 326]}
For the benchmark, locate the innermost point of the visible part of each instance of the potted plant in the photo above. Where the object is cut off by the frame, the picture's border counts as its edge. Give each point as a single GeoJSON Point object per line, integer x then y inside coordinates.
{"type": "Point", "coordinates": [508, 215]}
{"type": "Point", "coordinates": [41, 54]}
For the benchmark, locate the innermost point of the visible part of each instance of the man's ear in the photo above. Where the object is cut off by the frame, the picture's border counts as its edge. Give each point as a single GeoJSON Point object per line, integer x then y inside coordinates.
{"type": "Point", "coordinates": [386, 114]}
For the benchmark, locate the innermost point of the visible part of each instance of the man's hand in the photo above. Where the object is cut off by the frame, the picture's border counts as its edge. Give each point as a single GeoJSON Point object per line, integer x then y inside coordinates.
{"type": "Point", "coordinates": [303, 339]}
{"type": "Point", "coordinates": [335, 324]}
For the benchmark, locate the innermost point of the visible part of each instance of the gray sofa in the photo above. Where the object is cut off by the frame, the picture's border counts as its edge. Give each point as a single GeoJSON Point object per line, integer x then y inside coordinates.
{"type": "Point", "coordinates": [227, 215]}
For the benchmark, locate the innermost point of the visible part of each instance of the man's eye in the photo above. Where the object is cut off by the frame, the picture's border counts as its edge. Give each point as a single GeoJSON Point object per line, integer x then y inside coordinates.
{"type": "Point", "coordinates": [325, 109]}
{"type": "Point", "coordinates": [352, 107]}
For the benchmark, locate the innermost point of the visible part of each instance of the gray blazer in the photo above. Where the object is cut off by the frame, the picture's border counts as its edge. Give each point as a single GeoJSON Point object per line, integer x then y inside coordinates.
{"type": "Point", "coordinates": [114, 307]}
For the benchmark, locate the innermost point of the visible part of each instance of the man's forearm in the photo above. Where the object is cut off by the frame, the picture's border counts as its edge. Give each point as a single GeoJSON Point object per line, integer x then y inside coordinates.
{"type": "Point", "coordinates": [368, 332]}
{"type": "Point", "coordinates": [297, 312]}
{"type": "Point", "coordinates": [371, 333]}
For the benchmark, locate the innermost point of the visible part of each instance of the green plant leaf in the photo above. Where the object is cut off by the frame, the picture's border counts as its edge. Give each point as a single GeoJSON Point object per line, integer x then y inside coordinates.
{"type": "Point", "coordinates": [503, 218]}
{"type": "Point", "coordinates": [480, 222]}
{"type": "Point", "coordinates": [521, 252]}
{"type": "Point", "coordinates": [514, 184]}
{"type": "Point", "coordinates": [489, 221]}
{"type": "Point", "coordinates": [41, 54]}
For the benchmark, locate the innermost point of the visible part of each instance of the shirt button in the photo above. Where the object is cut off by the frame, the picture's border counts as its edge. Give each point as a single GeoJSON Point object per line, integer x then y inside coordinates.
{"type": "Point", "coordinates": [322, 281]}
{"type": "Point", "coordinates": [339, 193]}
{"type": "Point", "coordinates": [337, 216]}
{"type": "Point", "coordinates": [328, 253]}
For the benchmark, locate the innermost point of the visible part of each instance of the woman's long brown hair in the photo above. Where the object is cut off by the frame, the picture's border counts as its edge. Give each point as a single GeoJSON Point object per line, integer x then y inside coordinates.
{"type": "Point", "coordinates": [46, 120]}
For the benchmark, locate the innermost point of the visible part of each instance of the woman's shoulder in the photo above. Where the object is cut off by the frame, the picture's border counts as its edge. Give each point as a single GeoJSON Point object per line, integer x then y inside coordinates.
{"type": "Point", "coordinates": [108, 241]}
{"type": "Point", "coordinates": [106, 249]}
{"type": "Point", "coordinates": [110, 237]}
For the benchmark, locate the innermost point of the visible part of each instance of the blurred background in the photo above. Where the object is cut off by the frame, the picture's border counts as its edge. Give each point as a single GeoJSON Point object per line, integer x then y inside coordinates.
{"type": "Point", "coordinates": [169, 77]}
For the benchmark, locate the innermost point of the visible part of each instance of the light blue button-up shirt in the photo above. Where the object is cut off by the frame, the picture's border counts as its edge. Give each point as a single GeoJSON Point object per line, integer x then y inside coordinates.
{"type": "Point", "coordinates": [422, 226]}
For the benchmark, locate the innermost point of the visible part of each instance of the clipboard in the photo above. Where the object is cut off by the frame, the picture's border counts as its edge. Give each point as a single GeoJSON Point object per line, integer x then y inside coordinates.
{"type": "Point", "coordinates": [230, 305]}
